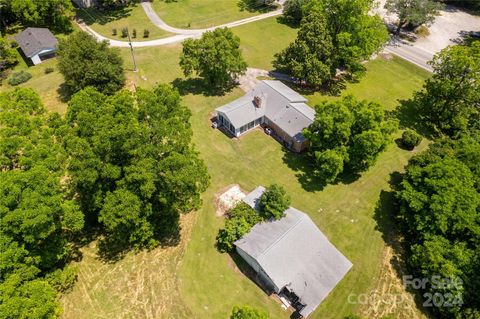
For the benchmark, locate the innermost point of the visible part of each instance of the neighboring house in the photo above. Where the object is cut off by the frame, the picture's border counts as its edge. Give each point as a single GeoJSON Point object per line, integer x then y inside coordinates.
{"type": "Point", "coordinates": [37, 44]}
{"type": "Point", "coordinates": [292, 257]}
{"type": "Point", "coordinates": [273, 104]}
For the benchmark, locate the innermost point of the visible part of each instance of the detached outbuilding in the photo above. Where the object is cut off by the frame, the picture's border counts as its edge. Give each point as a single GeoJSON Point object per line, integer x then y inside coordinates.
{"type": "Point", "coordinates": [37, 44]}
{"type": "Point", "coordinates": [292, 258]}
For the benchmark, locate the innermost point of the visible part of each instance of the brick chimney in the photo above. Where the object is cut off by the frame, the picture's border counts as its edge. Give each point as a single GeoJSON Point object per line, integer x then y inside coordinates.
{"type": "Point", "coordinates": [257, 101]}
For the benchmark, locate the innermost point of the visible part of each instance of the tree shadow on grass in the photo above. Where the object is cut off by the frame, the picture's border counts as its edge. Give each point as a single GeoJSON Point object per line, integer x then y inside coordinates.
{"type": "Point", "coordinates": [198, 86]}
{"type": "Point", "coordinates": [385, 216]}
{"type": "Point", "coordinates": [256, 6]}
{"type": "Point", "coordinates": [409, 115]}
{"type": "Point", "coordinates": [304, 169]}
{"type": "Point", "coordinates": [113, 249]}
{"type": "Point", "coordinates": [103, 16]}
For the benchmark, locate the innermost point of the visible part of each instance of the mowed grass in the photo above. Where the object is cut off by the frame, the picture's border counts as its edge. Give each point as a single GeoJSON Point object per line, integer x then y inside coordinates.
{"type": "Point", "coordinates": [261, 40]}
{"type": "Point", "coordinates": [209, 281]}
{"type": "Point", "coordinates": [386, 82]}
{"type": "Point", "coordinates": [199, 282]}
{"type": "Point", "coordinates": [46, 85]}
{"type": "Point", "coordinates": [131, 17]}
{"type": "Point", "coordinates": [197, 14]}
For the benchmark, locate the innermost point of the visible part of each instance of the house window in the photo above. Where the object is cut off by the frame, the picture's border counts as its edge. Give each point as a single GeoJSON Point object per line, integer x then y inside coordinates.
{"type": "Point", "coordinates": [232, 128]}
{"type": "Point", "coordinates": [258, 121]}
{"type": "Point", "coordinates": [250, 125]}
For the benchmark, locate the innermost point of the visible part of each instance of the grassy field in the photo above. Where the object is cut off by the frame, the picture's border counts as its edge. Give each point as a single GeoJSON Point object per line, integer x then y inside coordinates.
{"type": "Point", "coordinates": [193, 279]}
{"type": "Point", "coordinates": [132, 17]}
{"type": "Point", "coordinates": [197, 14]}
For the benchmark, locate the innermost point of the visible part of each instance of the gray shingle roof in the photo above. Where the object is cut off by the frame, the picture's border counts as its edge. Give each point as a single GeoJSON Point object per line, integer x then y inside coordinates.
{"type": "Point", "coordinates": [34, 40]}
{"type": "Point", "coordinates": [280, 104]}
{"type": "Point", "coordinates": [295, 253]}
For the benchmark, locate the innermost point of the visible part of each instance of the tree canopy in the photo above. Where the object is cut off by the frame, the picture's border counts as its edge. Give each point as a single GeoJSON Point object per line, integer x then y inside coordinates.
{"type": "Point", "coordinates": [347, 135]}
{"type": "Point", "coordinates": [440, 215]}
{"type": "Point", "coordinates": [342, 32]}
{"type": "Point", "coordinates": [216, 57]}
{"type": "Point", "coordinates": [38, 213]}
{"type": "Point", "coordinates": [85, 62]}
{"type": "Point", "coordinates": [45, 13]}
{"type": "Point", "coordinates": [8, 58]}
{"type": "Point", "coordinates": [412, 13]}
{"type": "Point", "coordinates": [450, 100]}
{"type": "Point", "coordinates": [132, 162]}
{"type": "Point", "coordinates": [239, 220]}
{"type": "Point", "coordinates": [274, 202]}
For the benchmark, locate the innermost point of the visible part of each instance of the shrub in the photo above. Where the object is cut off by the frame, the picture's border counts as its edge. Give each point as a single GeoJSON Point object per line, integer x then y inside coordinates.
{"type": "Point", "coordinates": [422, 31]}
{"type": "Point", "coordinates": [274, 202]}
{"type": "Point", "coordinates": [62, 280]}
{"type": "Point", "coordinates": [146, 33]}
{"type": "Point", "coordinates": [19, 78]}
{"type": "Point", "coordinates": [246, 312]}
{"type": "Point", "coordinates": [124, 32]}
{"type": "Point", "coordinates": [239, 221]}
{"type": "Point", "coordinates": [114, 31]}
{"type": "Point", "coordinates": [134, 33]}
{"type": "Point", "coordinates": [49, 70]}
{"type": "Point", "coordinates": [411, 139]}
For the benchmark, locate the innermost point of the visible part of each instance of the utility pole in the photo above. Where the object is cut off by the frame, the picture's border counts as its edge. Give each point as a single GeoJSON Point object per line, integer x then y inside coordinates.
{"type": "Point", "coordinates": [131, 50]}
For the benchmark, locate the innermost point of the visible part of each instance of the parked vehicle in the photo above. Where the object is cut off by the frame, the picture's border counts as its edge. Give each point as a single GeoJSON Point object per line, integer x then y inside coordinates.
{"type": "Point", "coordinates": [268, 130]}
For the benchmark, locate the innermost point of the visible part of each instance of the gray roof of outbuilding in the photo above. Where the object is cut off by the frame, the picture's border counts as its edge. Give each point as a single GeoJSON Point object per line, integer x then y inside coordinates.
{"type": "Point", "coordinates": [276, 98]}
{"type": "Point", "coordinates": [295, 253]}
{"type": "Point", "coordinates": [34, 40]}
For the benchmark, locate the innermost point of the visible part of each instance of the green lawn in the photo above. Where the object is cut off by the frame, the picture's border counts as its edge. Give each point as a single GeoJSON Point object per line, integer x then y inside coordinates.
{"type": "Point", "coordinates": [197, 14]}
{"type": "Point", "coordinates": [210, 285]}
{"type": "Point", "coordinates": [132, 17]}
{"type": "Point", "coordinates": [386, 82]}
{"type": "Point", "coordinates": [197, 279]}
{"type": "Point", "coordinates": [259, 50]}
{"type": "Point", "coordinates": [46, 85]}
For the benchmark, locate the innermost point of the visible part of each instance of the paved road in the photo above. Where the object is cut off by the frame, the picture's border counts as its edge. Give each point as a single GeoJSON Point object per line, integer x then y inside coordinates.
{"type": "Point", "coordinates": [180, 34]}
{"type": "Point", "coordinates": [411, 53]}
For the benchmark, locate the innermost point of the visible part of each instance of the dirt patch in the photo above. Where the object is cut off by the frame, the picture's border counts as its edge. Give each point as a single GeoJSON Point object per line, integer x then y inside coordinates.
{"type": "Point", "coordinates": [386, 56]}
{"type": "Point", "coordinates": [227, 198]}
{"type": "Point", "coordinates": [389, 297]}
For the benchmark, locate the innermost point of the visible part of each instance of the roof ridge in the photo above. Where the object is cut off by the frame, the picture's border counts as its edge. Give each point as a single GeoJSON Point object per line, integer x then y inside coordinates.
{"type": "Point", "coordinates": [267, 82]}
{"type": "Point", "coordinates": [299, 111]}
{"type": "Point", "coordinates": [283, 235]}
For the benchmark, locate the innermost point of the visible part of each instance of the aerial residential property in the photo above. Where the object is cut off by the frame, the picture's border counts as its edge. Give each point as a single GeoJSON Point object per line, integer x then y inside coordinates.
{"type": "Point", "coordinates": [37, 44]}
{"type": "Point", "coordinates": [292, 258]}
{"type": "Point", "coordinates": [272, 104]}
{"type": "Point", "coordinates": [134, 135]}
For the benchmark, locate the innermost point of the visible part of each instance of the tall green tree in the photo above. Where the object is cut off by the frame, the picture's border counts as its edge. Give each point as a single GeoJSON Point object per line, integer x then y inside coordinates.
{"type": "Point", "coordinates": [85, 62]}
{"type": "Point", "coordinates": [412, 13]}
{"type": "Point", "coordinates": [293, 10]}
{"type": "Point", "coordinates": [274, 202]}
{"type": "Point", "coordinates": [450, 100]}
{"type": "Point", "coordinates": [347, 135]}
{"type": "Point", "coordinates": [8, 57]}
{"type": "Point", "coordinates": [350, 34]}
{"type": "Point", "coordinates": [439, 214]}
{"type": "Point", "coordinates": [216, 57]}
{"type": "Point", "coordinates": [51, 13]}
{"type": "Point", "coordinates": [309, 56]}
{"type": "Point", "coordinates": [39, 214]}
{"type": "Point", "coordinates": [133, 163]}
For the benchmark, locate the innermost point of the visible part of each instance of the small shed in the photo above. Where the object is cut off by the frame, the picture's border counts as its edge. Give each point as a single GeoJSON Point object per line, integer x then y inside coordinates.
{"type": "Point", "coordinates": [37, 44]}
{"type": "Point", "coordinates": [292, 257]}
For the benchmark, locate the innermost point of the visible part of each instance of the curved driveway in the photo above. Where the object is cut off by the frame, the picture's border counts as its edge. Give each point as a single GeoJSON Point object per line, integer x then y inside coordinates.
{"type": "Point", "coordinates": [180, 34]}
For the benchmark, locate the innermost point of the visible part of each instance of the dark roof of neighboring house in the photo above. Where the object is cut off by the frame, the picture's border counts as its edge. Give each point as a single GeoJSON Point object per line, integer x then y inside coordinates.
{"type": "Point", "coordinates": [280, 104]}
{"type": "Point", "coordinates": [294, 253]}
{"type": "Point", "coordinates": [34, 40]}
